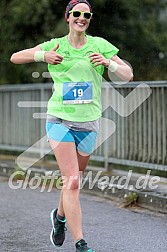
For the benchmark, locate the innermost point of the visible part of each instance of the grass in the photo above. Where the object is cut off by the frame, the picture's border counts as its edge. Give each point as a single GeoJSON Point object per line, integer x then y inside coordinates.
{"type": "Point", "coordinates": [130, 200]}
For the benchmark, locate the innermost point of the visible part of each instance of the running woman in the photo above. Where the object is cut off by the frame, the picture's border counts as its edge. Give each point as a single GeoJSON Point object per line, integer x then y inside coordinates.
{"type": "Point", "coordinates": [76, 63]}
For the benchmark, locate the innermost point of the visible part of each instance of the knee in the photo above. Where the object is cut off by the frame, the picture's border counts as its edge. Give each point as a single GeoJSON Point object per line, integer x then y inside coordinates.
{"type": "Point", "coordinates": [72, 183]}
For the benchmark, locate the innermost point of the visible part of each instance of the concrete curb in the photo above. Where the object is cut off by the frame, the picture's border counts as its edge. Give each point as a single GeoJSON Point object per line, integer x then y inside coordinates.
{"type": "Point", "coordinates": [148, 200]}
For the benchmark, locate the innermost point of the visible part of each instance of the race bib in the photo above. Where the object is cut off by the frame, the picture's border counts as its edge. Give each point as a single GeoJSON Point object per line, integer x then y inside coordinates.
{"type": "Point", "coordinates": [77, 92]}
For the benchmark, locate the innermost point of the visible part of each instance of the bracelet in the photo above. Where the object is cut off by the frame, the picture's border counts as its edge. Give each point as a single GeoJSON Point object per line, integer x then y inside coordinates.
{"type": "Point", "coordinates": [112, 66]}
{"type": "Point", "coordinates": [39, 56]}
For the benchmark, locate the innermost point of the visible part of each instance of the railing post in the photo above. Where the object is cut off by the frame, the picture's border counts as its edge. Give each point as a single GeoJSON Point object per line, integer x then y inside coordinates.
{"type": "Point", "coordinates": [42, 123]}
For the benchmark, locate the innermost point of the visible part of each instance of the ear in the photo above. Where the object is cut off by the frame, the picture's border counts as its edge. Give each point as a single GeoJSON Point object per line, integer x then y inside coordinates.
{"type": "Point", "coordinates": [67, 20]}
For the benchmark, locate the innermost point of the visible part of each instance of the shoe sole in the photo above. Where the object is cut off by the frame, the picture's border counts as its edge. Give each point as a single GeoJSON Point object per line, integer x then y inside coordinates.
{"type": "Point", "coordinates": [51, 234]}
{"type": "Point", "coordinates": [90, 250]}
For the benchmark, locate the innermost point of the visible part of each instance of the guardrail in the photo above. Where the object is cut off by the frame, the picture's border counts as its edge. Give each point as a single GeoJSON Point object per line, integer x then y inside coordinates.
{"type": "Point", "coordinates": [140, 138]}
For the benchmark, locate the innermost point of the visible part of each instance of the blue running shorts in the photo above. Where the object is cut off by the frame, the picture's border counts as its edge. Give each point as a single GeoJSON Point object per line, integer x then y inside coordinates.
{"type": "Point", "coordinates": [85, 141]}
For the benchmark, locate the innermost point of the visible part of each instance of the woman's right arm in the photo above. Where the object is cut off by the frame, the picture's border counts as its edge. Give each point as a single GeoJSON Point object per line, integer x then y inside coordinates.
{"type": "Point", "coordinates": [24, 56]}
{"type": "Point", "coordinates": [27, 56]}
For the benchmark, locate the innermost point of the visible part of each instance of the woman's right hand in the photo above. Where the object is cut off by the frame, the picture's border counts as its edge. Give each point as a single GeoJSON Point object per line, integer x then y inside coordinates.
{"type": "Point", "coordinates": [51, 57]}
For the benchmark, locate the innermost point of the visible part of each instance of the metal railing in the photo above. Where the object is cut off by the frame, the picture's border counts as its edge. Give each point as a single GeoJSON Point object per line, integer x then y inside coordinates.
{"type": "Point", "coordinates": [140, 139]}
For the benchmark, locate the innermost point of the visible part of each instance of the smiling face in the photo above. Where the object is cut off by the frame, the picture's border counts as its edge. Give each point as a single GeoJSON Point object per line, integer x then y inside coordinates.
{"type": "Point", "coordinates": [79, 24]}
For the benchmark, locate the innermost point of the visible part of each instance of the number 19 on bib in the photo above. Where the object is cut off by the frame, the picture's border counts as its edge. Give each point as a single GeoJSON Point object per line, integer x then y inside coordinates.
{"type": "Point", "coordinates": [77, 92]}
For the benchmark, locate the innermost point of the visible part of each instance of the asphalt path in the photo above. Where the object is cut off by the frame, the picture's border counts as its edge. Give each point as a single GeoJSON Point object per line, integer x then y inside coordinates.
{"type": "Point", "coordinates": [25, 224]}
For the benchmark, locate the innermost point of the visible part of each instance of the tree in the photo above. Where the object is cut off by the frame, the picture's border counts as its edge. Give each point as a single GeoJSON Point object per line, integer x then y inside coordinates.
{"type": "Point", "coordinates": [139, 31]}
{"type": "Point", "coordinates": [137, 28]}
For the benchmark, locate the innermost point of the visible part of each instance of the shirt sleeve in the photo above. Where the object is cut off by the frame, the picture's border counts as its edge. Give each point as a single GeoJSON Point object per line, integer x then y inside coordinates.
{"type": "Point", "coordinates": [107, 49]}
{"type": "Point", "coordinates": [48, 45]}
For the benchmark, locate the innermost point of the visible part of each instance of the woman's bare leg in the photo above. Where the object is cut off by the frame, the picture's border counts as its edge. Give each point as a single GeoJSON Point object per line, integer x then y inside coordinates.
{"type": "Point", "coordinates": [82, 161]}
{"type": "Point", "coordinates": [67, 159]}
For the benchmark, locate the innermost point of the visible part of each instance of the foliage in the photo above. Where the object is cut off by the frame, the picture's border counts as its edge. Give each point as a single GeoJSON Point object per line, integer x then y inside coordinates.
{"type": "Point", "coordinates": [137, 28]}
{"type": "Point", "coordinates": [130, 200]}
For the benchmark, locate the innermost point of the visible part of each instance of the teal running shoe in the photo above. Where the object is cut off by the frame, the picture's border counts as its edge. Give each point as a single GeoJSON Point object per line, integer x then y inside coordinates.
{"type": "Point", "coordinates": [57, 235]}
{"type": "Point", "coordinates": [81, 246]}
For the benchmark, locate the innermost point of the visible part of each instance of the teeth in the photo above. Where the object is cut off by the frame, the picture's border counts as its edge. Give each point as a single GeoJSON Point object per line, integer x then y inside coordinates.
{"type": "Point", "coordinates": [81, 24]}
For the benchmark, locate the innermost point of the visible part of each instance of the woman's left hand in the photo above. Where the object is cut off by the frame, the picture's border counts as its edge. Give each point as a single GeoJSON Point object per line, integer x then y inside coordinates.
{"type": "Point", "coordinates": [98, 59]}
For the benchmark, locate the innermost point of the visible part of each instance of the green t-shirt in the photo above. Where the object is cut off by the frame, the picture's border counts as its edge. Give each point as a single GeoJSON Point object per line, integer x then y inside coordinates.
{"type": "Point", "coordinates": [77, 83]}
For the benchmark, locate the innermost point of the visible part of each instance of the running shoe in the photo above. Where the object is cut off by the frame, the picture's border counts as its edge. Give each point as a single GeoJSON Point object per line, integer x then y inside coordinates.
{"type": "Point", "coordinates": [81, 246]}
{"type": "Point", "coordinates": [57, 235]}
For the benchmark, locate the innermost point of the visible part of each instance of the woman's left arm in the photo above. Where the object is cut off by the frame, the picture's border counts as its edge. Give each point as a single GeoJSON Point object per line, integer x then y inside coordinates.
{"type": "Point", "coordinates": [124, 71]}
{"type": "Point", "coordinates": [115, 64]}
